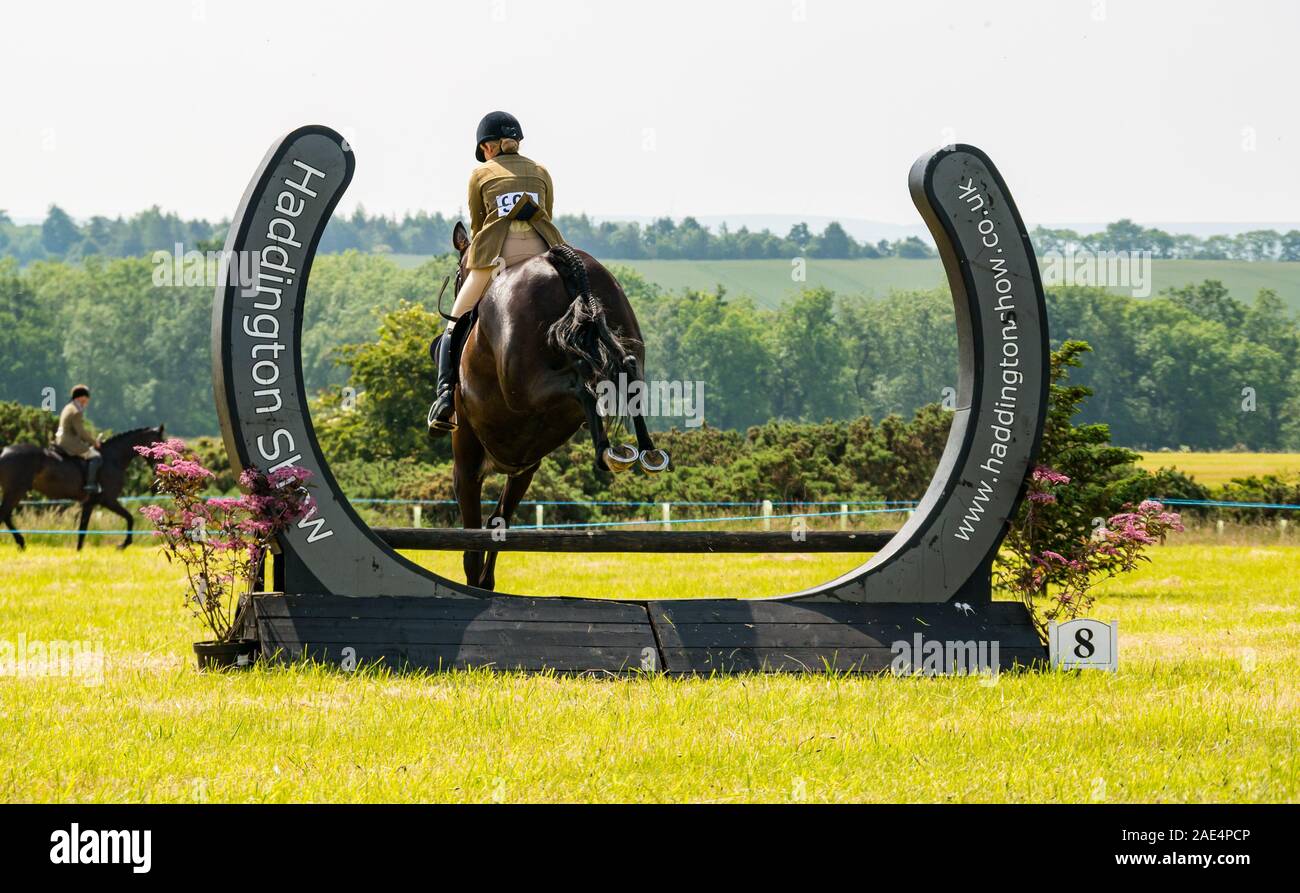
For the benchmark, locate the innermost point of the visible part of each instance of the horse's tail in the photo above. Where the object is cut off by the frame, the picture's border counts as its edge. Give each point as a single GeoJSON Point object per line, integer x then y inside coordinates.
{"type": "Point", "coordinates": [583, 333]}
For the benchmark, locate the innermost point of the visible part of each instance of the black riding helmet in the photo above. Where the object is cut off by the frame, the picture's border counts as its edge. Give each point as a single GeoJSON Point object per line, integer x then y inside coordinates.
{"type": "Point", "coordinates": [496, 126]}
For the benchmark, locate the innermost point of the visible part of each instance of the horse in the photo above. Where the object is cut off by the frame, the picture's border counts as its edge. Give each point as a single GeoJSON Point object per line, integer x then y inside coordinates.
{"type": "Point", "coordinates": [548, 331]}
{"type": "Point", "coordinates": [25, 467]}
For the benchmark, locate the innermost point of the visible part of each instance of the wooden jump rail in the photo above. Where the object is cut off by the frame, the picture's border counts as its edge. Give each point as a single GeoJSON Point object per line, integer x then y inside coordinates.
{"type": "Point", "coordinates": [684, 541]}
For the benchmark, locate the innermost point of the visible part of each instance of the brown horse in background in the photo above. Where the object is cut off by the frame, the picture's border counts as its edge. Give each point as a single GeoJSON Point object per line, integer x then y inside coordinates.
{"type": "Point", "coordinates": [25, 467]}
{"type": "Point", "coordinates": [548, 330]}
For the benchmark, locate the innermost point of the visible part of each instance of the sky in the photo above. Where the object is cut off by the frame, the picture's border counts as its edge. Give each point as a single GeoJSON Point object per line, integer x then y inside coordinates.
{"type": "Point", "coordinates": [1092, 109]}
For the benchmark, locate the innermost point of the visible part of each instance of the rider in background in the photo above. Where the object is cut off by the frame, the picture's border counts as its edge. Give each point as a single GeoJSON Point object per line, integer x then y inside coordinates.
{"type": "Point", "coordinates": [511, 200]}
{"type": "Point", "coordinates": [73, 438]}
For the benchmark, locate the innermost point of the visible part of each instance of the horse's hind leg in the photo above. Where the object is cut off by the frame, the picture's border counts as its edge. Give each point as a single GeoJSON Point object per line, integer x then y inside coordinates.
{"type": "Point", "coordinates": [511, 495]}
{"type": "Point", "coordinates": [7, 514]}
{"type": "Point", "coordinates": [596, 425]}
{"type": "Point", "coordinates": [607, 458]}
{"type": "Point", "coordinates": [652, 459]}
{"type": "Point", "coordinates": [86, 509]}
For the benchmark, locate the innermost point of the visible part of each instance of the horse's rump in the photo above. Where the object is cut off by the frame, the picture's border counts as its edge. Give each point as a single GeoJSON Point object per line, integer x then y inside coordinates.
{"type": "Point", "coordinates": [588, 334]}
{"type": "Point", "coordinates": [548, 330]}
{"type": "Point", "coordinates": [552, 325]}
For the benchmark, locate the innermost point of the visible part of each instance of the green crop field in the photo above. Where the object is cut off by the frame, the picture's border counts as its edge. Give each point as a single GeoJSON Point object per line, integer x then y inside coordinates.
{"type": "Point", "coordinates": [1214, 469]}
{"type": "Point", "coordinates": [1205, 706]}
{"type": "Point", "coordinates": [769, 281]}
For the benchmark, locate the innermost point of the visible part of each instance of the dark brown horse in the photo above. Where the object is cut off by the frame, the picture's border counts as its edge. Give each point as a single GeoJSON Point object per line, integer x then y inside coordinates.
{"type": "Point", "coordinates": [548, 331]}
{"type": "Point", "coordinates": [24, 467]}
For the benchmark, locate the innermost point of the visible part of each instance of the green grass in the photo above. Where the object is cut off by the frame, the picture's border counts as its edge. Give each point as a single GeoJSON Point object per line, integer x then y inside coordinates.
{"type": "Point", "coordinates": [1204, 707]}
{"type": "Point", "coordinates": [1216, 469]}
{"type": "Point", "coordinates": [768, 281]}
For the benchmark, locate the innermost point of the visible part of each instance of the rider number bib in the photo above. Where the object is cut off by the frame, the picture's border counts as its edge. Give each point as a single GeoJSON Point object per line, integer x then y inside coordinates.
{"type": "Point", "coordinates": [507, 201]}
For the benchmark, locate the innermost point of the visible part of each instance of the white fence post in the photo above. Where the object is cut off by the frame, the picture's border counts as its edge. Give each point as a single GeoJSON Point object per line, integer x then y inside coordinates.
{"type": "Point", "coordinates": [767, 514]}
{"type": "Point", "coordinates": [540, 518]}
{"type": "Point", "coordinates": [667, 515]}
{"type": "Point", "coordinates": [844, 516]}
{"type": "Point", "coordinates": [1281, 526]}
{"type": "Point", "coordinates": [1218, 527]}
{"type": "Point", "coordinates": [415, 516]}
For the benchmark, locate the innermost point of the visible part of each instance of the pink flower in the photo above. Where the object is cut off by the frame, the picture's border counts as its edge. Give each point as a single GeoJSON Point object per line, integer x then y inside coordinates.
{"type": "Point", "coordinates": [1043, 474]}
{"type": "Point", "coordinates": [172, 448]}
{"type": "Point", "coordinates": [185, 468]}
{"type": "Point", "coordinates": [255, 526]}
{"type": "Point", "coordinates": [290, 475]}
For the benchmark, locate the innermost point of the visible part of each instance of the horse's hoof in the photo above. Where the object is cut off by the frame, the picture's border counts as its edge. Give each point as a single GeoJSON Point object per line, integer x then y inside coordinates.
{"type": "Point", "coordinates": [654, 461]}
{"type": "Point", "coordinates": [620, 458]}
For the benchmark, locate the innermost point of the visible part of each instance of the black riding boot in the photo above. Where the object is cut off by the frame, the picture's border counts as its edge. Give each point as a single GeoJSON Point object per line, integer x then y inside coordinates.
{"type": "Point", "coordinates": [92, 473]}
{"type": "Point", "coordinates": [444, 404]}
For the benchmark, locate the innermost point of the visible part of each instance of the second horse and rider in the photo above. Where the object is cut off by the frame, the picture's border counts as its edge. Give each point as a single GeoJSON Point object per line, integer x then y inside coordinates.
{"type": "Point", "coordinates": [76, 467]}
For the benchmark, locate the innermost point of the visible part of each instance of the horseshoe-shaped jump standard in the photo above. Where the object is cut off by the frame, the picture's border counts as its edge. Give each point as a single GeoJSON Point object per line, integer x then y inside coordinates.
{"type": "Point", "coordinates": [347, 598]}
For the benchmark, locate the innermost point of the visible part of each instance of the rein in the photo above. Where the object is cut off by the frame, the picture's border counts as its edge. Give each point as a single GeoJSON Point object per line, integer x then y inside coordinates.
{"type": "Point", "coordinates": [447, 316]}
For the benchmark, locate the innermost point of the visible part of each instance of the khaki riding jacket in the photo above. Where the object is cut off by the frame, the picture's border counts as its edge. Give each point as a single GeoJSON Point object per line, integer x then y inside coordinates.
{"type": "Point", "coordinates": [504, 192]}
{"type": "Point", "coordinates": [72, 436]}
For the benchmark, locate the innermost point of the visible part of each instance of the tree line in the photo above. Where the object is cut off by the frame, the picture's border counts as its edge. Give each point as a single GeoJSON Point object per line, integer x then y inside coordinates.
{"type": "Point", "coordinates": [1196, 367]}
{"type": "Point", "coordinates": [60, 237]}
{"type": "Point", "coordinates": [1127, 236]}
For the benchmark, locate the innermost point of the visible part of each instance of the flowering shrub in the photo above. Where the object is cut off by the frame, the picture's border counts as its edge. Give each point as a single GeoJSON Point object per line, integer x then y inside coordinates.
{"type": "Point", "coordinates": [220, 541]}
{"type": "Point", "coordinates": [1052, 568]}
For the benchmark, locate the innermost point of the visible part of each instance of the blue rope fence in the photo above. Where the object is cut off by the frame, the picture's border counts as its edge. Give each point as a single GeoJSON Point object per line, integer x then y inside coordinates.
{"type": "Point", "coordinates": [706, 520]}
{"type": "Point", "coordinates": [890, 507]}
{"type": "Point", "coordinates": [595, 502]}
{"type": "Point", "coordinates": [1211, 503]}
{"type": "Point", "coordinates": [571, 526]}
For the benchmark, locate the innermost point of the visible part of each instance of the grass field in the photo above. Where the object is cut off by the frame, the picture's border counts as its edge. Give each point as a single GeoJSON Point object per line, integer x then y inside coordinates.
{"type": "Point", "coordinates": [1204, 707]}
{"type": "Point", "coordinates": [1214, 469]}
{"type": "Point", "coordinates": [768, 281]}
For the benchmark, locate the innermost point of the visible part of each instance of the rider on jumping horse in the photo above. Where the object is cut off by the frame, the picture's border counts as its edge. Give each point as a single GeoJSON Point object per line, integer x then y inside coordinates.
{"type": "Point", "coordinates": [511, 200]}
{"type": "Point", "coordinates": [73, 438]}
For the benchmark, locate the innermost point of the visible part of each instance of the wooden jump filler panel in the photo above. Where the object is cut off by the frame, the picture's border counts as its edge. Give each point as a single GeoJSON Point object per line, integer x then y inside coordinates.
{"type": "Point", "coordinates": [344, 596]}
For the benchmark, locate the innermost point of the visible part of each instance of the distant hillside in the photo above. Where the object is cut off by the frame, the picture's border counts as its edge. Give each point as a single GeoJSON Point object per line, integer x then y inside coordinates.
{"type": "Point", "coordinates": [768, 281]}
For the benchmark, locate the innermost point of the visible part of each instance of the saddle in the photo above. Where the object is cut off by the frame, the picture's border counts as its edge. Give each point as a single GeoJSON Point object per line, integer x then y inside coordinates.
{"type": "Point", "coordinates": [59, 454]}
{"type": "Point", "coordinates": [464, 325]}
